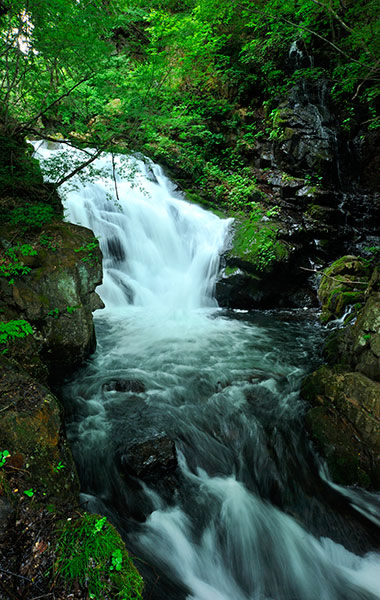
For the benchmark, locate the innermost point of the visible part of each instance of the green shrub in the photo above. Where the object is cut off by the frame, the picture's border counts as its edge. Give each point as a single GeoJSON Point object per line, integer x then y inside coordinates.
{"type": "Point", "coordinates": [10, 330]}
{"type": "Point", "coordinates": [32, 216]}
{"type": "Point", "coordinates": [91, 552]}
{"type": "Point", "coordinates": [10, 264]}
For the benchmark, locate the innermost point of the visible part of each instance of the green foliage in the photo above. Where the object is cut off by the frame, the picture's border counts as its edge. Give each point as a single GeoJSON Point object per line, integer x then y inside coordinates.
{"type": "Point", "coordinates": [11, 330]}
{"type": "Point", "coordinates": [171, 78]}
{"type": "Point", "coordinates": [11, 264]}
{"type": "Point", "coordinates": [33, 216]}
{"type": "Point", "coordinates": [58, 467]}
{"type": "Point", "coordinates": [89, 250]}
{"type": "Point", "coordinates": [4, 454]}
{"type": "Point", "coordinates": [47, 242]}
{"type": "Point", "coordinates": [29, 493]}
{"type": "Point", "coordinates": [90, 552]}
{"type": "Point", "coordinates": [72, 309]}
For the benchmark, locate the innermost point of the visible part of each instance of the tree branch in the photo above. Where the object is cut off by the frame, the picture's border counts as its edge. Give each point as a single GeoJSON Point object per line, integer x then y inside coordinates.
{"type": "Point", "coordinates": [26, 125]}
{"type": "Point", "coordinates": [79, 168]}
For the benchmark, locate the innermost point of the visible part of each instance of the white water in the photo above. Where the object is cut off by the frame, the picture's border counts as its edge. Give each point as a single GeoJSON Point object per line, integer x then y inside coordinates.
{"type": "Point", "coordinates": [243, 523]}
{"type": "Point", "coordinates": [159, 251]}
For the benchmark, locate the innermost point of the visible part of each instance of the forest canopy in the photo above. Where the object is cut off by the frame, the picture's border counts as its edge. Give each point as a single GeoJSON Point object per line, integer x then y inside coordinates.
{"type": "Point", "coordinates": [166, 76]}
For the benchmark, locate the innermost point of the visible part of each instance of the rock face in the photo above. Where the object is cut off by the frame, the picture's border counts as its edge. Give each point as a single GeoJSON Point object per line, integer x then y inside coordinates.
{"type": "Point", "coordinates": [58, 295]}
{"type": "Point", "coordinates": [345, 418]}
{"type": "Point", "coordinates": [306, 132]}
{"type": "Point", "coordinates": [342, 284]}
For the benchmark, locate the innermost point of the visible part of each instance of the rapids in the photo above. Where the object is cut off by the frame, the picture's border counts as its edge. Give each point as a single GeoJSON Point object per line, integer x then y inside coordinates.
{"type": "Point", "coordinates": [249, 512]}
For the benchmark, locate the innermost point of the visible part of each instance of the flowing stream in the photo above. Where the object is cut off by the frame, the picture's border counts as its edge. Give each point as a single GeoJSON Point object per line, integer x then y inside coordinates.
{"type": "Point", "coordinates": [238, 506]}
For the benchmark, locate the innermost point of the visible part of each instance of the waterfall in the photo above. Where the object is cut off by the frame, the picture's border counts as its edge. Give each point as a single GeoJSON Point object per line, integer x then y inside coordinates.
{"type": "Point", "coordinates": [159, 251]}
{"type": "Point", "coordinates": [238, 509]}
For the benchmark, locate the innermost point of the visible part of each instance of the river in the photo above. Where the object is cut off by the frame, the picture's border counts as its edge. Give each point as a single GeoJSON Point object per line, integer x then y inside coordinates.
{"type": "Point", "coordinates": [230, 500]}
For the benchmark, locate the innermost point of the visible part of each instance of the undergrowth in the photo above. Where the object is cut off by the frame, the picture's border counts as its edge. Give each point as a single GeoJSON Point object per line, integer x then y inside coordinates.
{"type": "Point", "coordinates": [90, 552]}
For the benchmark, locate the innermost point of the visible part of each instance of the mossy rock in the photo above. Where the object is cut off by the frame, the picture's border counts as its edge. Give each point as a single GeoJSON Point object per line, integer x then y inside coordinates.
{"type": "Point", "coordinates": [345, 423]}
{"type": "Point", "coordinates": [256, 246]}
{"type": "Point", "coordinates": [30, 428]}
{"type": "Point", "coordinates": [338, 444]}
{"type": "Point", "coordinates": [57, 297]}
{"type": "Point", "coordinates": [342, 284]}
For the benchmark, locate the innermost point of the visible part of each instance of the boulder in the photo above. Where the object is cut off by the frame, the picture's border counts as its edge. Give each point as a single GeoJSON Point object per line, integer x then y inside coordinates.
{"type": "Point", "coordinates": [357, 346]}
{"type": "Point", "coordinates": [262, 266]}
{"type": "Point", "coordinates": [58, 295]}
{"type": "Point", "coordinates": [31, 430]}
{"type": "Point", "coordinates": [345, 423]}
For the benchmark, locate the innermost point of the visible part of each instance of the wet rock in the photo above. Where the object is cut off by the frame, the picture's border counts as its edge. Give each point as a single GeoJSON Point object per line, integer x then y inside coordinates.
{"type": "Point", "coordinates": [342, 284]}
{"type": "Point", "coordinates": [345, 423]}
{"type": "Point", "coordinates": [152, 460]}
{"type": "Point", "coordinates": [305, 132]}
{"type": "Point", "coordinates": [358, 346]}
{"type": "Point", "coordinates": [124, 385]}
{"type": "Point", "coordinates": [6, 514]}
{"type": "Point", "coordinates": [262, 267]}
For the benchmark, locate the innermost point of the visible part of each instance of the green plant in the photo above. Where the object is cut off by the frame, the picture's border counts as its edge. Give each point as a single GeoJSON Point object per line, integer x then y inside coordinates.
{"type": "Point", "coordinates": [72, 309]}
{"type": "Point", "coordinates": [3, 457]}
{"type": "Point", "coordinates": [90, 551]}
{"type": "Point", "coordinates": [29, 493]}
{"type": "Point", "coordinates": [14, 329]}
{"type": "Point", "coordinates": [89, 250]}
{"type": "Point", "coordinates": [58, 467]}
{"type": "Point", "coordinates": [32, 216]}
{"type": "Point", "coordinates": [47, 241]}
{"type": "Point", "coordinates": [54, 312]}
{"type": "Point", "coordinates": [273, 212]}
{"type": "Point", "coordinates": [10, 264]}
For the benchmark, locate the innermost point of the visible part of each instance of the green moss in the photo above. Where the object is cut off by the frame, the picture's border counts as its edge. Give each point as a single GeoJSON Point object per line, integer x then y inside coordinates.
{"type": "Point", "coordinates": [316, 211]}
{"type": "Point", "coordinates": [231, 271]}
{"type": "Point", "coordinates": [255, 241]}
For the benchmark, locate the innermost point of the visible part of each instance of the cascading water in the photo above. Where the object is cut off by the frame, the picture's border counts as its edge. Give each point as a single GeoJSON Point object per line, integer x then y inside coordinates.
{"type": "Point", "coordinates": [245, 514]}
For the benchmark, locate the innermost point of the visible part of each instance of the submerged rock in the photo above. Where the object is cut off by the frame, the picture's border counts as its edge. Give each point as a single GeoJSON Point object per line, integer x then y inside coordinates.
{"type": "Point", "coordinates": [151, 460]}
{"type": "Point", "coordinates": [124, 385]}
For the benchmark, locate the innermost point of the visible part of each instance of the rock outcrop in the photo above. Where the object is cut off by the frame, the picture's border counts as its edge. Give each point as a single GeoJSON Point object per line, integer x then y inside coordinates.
{"type": "Point", "coordinates": [57, 296]}
{"type": "Point", "coordinates": [345, 394]}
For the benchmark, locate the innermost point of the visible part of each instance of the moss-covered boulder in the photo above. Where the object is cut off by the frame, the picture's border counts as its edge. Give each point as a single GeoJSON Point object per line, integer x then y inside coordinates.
{"type": "Point", "coordinates": [31, 431]}
{"type": "Point", "coordinates": [343, 283]}
{"type": "Point", "coordinates": [261, 267]}
{"type": "Point", "coordinates": [345, 422]}
{"type": "Point", "coordinates": [57, 294]}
